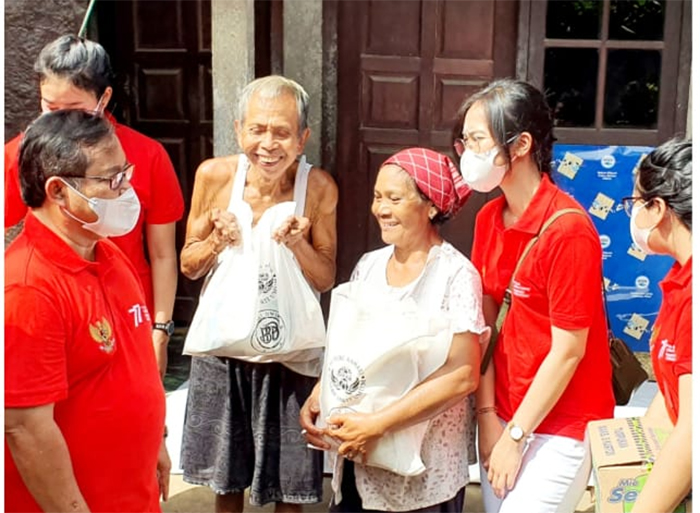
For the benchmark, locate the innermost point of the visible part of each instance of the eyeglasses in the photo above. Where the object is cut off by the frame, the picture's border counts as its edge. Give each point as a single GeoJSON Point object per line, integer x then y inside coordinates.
{"type": "Point", "coordinates": [629, 201]}
{"type": "Point", "coordinates": [461, 144]}
{"type": "Point", "coordinates": [115, 181]}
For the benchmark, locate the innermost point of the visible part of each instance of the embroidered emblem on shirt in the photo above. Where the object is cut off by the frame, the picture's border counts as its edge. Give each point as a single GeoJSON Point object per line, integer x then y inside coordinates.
{"type": "Point", "coordinates": [101, 332]}
{"type": "Point", "coordinates": [667, 351]}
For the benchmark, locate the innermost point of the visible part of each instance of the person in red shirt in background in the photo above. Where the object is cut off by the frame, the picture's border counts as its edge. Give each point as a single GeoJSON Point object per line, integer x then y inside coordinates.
{"type": "Point", "coordinates": [550, 374]}
{"type": "Point", "coordinates": [661, 212]}
{"type": "Point", "coordinates": [75, 73]}
{"type": "Point", "coordinates": [84, 404]}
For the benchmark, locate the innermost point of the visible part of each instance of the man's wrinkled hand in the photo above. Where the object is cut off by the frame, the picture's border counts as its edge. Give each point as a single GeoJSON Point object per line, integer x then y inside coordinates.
{"type": "Point", "coordinates": [226, 231]}
{"type": "Point", "coordinates": [291, 231]}
{"type": "Point", "coordinates": [307, 418]}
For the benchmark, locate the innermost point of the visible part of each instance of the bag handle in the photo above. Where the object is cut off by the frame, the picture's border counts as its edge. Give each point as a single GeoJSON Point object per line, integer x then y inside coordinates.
{"type": "Point", "coordinates": [607, 314]}
{"type": "Point", "coordinates": [505, 305]}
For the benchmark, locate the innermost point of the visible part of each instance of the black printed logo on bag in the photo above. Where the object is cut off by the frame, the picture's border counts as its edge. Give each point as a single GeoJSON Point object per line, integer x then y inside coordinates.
{"type": "Point", "coordinates": [267, 284]}
{"type": "Point", "coordinates": [269, 333]}
{"type": "Point", "coordinates": [347, 379]}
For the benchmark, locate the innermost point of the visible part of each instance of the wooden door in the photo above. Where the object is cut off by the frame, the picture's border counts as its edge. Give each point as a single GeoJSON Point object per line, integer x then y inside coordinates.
{"type": "Point", "coordinates": [161, 54]}
{"type": "Point", "coordinates": [404, 68]}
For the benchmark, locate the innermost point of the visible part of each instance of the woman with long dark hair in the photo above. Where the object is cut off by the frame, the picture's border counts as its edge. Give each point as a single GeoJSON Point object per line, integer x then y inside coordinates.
{"type": "Point", "coordinates": [550, 372]}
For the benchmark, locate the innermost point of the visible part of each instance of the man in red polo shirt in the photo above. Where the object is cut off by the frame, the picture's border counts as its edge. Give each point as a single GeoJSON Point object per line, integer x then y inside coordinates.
{"type": "Point", "coordinates": [84, 406]}
{"type": "Point", "coordinates": [75, 73]}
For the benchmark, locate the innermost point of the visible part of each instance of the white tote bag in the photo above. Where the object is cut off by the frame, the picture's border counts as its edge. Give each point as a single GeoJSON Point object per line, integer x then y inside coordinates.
{"type": "Point", "coordinates": [378, 349]}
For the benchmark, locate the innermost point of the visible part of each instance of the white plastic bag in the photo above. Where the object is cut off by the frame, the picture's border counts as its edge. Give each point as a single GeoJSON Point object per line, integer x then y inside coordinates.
{"type": "Point", "coordinates": [228, 300]}
{"type": "Point", "coordinates": [278, 319]}
{"type": "Point", "coordinates": [378, 349]}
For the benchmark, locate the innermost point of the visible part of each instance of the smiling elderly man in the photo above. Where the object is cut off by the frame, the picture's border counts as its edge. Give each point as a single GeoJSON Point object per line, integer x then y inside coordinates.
{"type": "Point", "coordinates": [242, 427]}
{"type": "Point", "coordinates": [84, 405]}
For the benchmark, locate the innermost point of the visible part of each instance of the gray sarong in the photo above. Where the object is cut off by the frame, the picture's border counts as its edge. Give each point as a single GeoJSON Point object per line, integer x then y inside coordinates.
{"type": "Point", "coordinates": [242, 430]}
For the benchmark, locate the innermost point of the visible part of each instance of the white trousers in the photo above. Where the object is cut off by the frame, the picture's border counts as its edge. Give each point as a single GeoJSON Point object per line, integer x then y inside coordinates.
{"type": "Point", "coordinates": [553, 476]}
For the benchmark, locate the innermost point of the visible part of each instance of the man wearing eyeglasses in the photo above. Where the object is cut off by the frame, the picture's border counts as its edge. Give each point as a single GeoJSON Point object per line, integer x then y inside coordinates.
{"type": "Point", "coordinates": [84, 405]}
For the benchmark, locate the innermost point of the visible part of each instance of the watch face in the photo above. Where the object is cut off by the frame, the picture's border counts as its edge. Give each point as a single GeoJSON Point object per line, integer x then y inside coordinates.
{"type": "Point", "coordinates": [516, 433]}
{"type": "Point", "coordinates": [168, 327]}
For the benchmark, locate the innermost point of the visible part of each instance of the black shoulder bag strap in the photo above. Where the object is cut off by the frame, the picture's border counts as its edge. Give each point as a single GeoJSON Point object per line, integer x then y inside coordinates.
{"type": "Point", "coordinates": [505, 305]}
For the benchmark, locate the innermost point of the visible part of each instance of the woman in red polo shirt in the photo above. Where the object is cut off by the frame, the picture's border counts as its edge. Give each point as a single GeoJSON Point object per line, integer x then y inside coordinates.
{"type": "Point", "coordinates": [550, 373]}
{"type": "Point", "coordinates": [75, 73]}
{"type": "Point", "coordinates": [661, 214]}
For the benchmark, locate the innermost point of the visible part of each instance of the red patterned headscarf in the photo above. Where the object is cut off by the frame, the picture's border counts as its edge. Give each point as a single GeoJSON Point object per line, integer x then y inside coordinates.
{"type": "Point", "coordinates": [436, 176]}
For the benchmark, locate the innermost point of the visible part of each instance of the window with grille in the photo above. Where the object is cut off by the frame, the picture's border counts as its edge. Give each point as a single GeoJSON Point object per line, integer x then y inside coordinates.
{"type": "Point", "coordinates": [614, 71]}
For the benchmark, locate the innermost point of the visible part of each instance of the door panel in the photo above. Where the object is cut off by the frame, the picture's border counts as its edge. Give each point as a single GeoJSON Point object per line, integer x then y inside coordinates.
{"type": "Point", "coordinates": [161, 49]}
{"type": "Point", "coordinates": [400, 84]}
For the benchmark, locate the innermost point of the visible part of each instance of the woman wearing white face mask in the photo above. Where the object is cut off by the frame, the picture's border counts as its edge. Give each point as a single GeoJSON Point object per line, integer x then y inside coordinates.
{"type": "Point", "coordinates": [550, 372]}
{"type": "Point", "coordinates": [661, 223]}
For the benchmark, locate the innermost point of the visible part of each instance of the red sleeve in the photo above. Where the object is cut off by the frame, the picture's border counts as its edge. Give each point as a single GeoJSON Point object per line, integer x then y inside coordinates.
{"type": "Point", "coordinates": [476, 257]}
{"type": "Point", "coordinates": [574, 283]}
{"type": "Point", "coordinates": [167, 204]}
{"type": "Point", "coordinates": [35, 349]}
{"type": "Point", "coordinates": [684, 341]}
{"type": "Point", "coordinates": [15, 209]}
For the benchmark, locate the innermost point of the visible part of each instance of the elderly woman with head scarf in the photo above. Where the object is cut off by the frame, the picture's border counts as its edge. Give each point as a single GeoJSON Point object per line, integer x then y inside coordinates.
{"type": "Point", "coordinates": [415, 191]}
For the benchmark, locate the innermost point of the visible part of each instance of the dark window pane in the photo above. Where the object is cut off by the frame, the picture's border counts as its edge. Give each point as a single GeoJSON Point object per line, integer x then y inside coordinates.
{"type": "Point", "coordinates": [570, 84]}
{"type": "Point", "coordinates": [574, 19]}
{"type": "Point", "coordinates": [632, 88]}
{"type": "Point", "coordinates": [637, 19]}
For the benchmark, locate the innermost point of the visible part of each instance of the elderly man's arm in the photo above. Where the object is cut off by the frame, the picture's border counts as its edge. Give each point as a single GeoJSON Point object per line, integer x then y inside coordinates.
{"type": "Point", "coordinates": [316, 256]}
{"type": "Point", "coordinates": [42, 458]}
{"type": "Point", "coordinates": [210, 229]}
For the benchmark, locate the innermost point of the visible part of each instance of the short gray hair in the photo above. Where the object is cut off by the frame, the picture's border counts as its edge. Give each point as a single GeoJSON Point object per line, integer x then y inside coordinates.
{"type": "Point", "coordinates": [275, 86]}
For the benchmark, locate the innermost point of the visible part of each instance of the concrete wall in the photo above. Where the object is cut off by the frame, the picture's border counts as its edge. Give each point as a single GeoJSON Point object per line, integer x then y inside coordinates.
{"type": "Point", "coordinates": [233, 65]}
{"type": "Point", "coordinates": [29, 26]}
{"type": "Point", "coordinates": [303, 62]}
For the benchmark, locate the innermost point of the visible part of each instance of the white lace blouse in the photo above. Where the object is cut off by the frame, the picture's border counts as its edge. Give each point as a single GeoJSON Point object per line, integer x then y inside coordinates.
{"type": "Point", "coordinates": [450, 285]}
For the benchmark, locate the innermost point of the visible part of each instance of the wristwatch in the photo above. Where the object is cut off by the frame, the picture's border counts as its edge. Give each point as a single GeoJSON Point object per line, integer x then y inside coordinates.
{"type": "Point", "coordinates": [516, 432]}
{"type": "Point", "coordinates": [168, 327]}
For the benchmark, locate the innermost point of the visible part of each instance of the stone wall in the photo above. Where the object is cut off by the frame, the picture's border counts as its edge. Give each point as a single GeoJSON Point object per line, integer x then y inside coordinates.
{"type": "Point", "coordinates": [29, 26]}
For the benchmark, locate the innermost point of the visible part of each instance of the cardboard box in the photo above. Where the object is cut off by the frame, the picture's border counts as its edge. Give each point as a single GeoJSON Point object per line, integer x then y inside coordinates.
{"type": "Point", "coordinates": [623, 452]}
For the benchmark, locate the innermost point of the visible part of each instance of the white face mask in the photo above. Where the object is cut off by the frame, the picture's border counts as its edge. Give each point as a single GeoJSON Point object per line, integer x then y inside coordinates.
{"type": "Point", "coordinates": [640, 236]}
{"type": "Point", "coordinates": [115, 216]}
{"type": "Point", "coordinates": [479, 171]}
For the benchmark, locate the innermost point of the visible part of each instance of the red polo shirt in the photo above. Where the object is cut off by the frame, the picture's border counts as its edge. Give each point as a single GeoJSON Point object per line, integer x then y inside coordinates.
{"type": "Point", "coordinates": [558, 284]}
{"type": "Point", "coordinates": [671, 342]}
{"type": "Point", "coordinates": [154, 182]}
{"type": "Point", "coordinates": [78, 335]}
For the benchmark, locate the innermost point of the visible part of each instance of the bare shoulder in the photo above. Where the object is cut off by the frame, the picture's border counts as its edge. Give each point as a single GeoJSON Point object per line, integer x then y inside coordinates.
{"type": "Point", "coordinates": [217, 171]}
{"type": "Point", "coordinates": [322, 187]}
